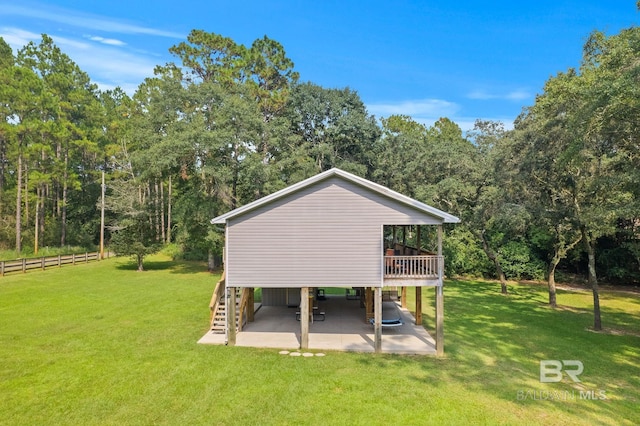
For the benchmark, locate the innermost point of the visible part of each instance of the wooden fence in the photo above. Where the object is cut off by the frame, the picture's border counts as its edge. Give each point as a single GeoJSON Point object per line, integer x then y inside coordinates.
{"type": "Point", "coordinates": [23, 265]}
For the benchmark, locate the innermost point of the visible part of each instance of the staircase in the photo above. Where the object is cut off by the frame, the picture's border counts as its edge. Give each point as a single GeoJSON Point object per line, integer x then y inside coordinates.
{"type": "Point", "coordinates": [219, 309]}
{"type": "Point", "coordinates": [219, 320]}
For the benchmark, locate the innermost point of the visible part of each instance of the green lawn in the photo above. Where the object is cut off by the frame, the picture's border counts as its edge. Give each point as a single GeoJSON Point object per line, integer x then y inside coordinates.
{"type": "Point", "coordinates": [100, 343]}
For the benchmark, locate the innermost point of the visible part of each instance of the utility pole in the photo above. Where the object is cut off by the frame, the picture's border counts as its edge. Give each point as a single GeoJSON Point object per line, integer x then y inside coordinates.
{"type": "Point", "coordinates": [102, 219]}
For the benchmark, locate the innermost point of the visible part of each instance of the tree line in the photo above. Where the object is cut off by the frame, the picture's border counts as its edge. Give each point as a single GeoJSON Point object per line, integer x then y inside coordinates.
{"type": "Point", "coordinates": [227, 124]}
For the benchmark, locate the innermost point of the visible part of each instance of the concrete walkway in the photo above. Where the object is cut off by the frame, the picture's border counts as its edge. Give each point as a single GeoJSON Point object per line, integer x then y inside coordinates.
{"type": "Point", "coordinates": [343, 329]}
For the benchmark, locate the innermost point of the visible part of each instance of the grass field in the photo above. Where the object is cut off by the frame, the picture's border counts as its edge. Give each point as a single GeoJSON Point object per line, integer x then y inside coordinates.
{"type": "Point", "coordinates": [102, 344]}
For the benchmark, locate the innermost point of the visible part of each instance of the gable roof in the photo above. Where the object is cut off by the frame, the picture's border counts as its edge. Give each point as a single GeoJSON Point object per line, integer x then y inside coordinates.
{"type": "Point", "coordinates": [335, 172]}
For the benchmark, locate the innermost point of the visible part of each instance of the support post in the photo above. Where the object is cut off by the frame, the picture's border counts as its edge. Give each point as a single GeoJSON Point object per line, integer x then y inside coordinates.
{"type": "Point", "coordinates": [377, 322]}
{"type": "Point", "coordinates": [439, 321]}
{"type": "Point", "coordinates": [403, 298]}
{"type": "Point", "coordinates": [440, 264]}
{"type": "Point", "coordinates": [231, 316]}
{"type": "Point", "coordinates": [250, 305]}
{"type": "Point", "coordinates": [418, 305]}
{"type": "Point", "coordinates": [304, 318]}
{"type": "Point", "coordinates": [368, 303]}
{"type": "Point", "coordinates": [440, 299]}
{"type": "Point", "coordinates": [404, 239]}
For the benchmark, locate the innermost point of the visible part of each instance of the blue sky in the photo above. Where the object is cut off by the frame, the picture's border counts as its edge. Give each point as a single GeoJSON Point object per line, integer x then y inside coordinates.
{"type": "Point", "coordinates": [428, 59]}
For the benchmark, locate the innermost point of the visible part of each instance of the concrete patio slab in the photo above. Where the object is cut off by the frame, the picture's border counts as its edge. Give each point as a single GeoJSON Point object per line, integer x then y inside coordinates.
{"type": "Point", "coordinates": [343, 329]}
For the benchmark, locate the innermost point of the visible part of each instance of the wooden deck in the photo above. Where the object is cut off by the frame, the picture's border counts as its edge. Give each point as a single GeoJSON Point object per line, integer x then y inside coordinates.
{"type": "Point", "coordinates": [413, 270]}
{"type": "Point", "coordinates": [427, 267]}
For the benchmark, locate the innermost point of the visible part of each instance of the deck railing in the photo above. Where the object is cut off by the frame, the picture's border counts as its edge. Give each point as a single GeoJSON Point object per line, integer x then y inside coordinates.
{"type": "Point", "coordinates": [425, 267]}
{"type": "Point", "coordinates": [217, 296]}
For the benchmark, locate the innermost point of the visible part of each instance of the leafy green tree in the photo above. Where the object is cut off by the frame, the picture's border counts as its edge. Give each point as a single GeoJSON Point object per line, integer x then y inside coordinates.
{"type": "Point", "coordinates": [584, 154]}
{"type": "Point", "coordinates": [549, 202]}
{"type": "Point", "coordinates": [492, 214]}
{"type": "Point", "coordinates": [71, 120]}
{"type": "Point", "coordinates": [463, 255]}
{"type": "Point", "coordinates": [450, 164]}
{"type": "Point", "coordinates": [24, 99]}
{"type": "Point", "coordinates": [333, 127]}
{"type": "Point", "coordinates": [270, 79]}
{"type": "Point", "coordinates": [400, 155]}
{"type": "Point", "coordinates": [7, 61]}
{"type": "Point", "coordinates": [233, 104]}
{"type": "Point", "coordinates": [212, 58]}
{"type": "Point", "coordinates": [133, 234]}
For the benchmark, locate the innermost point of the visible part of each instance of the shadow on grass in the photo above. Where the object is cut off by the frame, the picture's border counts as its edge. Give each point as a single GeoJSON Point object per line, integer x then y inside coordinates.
{"type": "Point", "coordinates": [494, 344]}
{"type": "Point", "coordinates": [173, 267]}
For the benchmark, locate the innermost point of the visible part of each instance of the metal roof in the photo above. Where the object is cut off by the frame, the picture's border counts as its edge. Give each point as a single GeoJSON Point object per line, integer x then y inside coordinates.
{"type": "Point", "coordinates": [335, 172]}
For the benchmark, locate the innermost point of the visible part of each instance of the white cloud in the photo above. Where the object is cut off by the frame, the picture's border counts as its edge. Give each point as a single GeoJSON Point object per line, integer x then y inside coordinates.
{"type": "Point", "coordinates": [109, 41]}
{"type": "Point", "coordinates": [466, 124]}
{"type": "Point", "coordinates": [480, 94]}
{"type": "Point", "coordinates": [420, 108]}
{"type": "Point", "coordinates": [106, 49]}
{"type": "Point", "coordinates": [113, 66]}
{"type": "Point", "coordinates": [428, 111]}
{"type": "Point", "coordinates": [83, 20]}
{"type": "Point", "coordinates": [518, 95]}
{"type": "Point", "coordinates": [514, 95]}
{"type": "Point", "coordinates": [107, 65]}
{"type": "Point", "coordinates": [17, 38]}
{"type": "Point", "coordinates": [128, 88]}
{"type": "Point", "coordinates": [423, 111]}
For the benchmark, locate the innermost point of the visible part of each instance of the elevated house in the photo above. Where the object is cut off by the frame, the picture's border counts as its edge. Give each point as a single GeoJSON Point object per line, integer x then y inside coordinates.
{"type": "Point", "coordinates": [327, 231]}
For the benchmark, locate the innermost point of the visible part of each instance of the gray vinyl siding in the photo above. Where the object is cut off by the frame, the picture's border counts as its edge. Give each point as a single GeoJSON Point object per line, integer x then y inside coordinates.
{"type": "Point", "coordinates": [326, 235]}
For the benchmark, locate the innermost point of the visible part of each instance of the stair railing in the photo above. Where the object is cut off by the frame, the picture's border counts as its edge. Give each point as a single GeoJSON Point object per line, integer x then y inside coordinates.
{"type": "Point", "coordinates": [217, 297]}
{"type": "Point", "coordinates": [242, 309]}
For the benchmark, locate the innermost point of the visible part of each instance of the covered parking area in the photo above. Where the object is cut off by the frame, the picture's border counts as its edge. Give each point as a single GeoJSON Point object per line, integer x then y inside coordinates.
{"type": "Point", "coordinates": [342, 328]}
